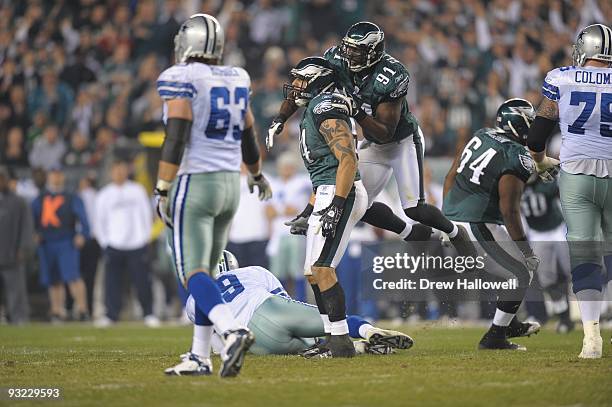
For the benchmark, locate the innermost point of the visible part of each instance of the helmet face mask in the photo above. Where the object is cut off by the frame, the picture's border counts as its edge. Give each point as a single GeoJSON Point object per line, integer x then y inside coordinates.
{"type": "Point", "coordinates": [310, 77]}
{"type": "Point", "coordinates": [362, 46]}
{"type": "Point", "coordinates": [594, 42]}
{"type": "Point", "coordinates": [227, 263]}
{"type": "Point", "coordinates": [201, 36]}
{"type": "Point", "coordinates": [514, 118]}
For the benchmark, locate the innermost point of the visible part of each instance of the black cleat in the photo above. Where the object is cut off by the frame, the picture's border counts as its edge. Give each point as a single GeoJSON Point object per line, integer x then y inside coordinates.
{"type": "Point", "coordinates": [394, 339]}
{"type": "Point", "coordinates": [463, 244]}
{"type": "Point", "coordinates": [237, 343]}
{"type": "Point", "coordinates": [517, 329]}
{"type": "Point", "coordinates": [319, 348]}
{"type": "Point", "coordinates": [494, 342]}
{"type": "Point", "coordinates": [341, 346]}
{"type": "Point", "coordinates": [419, 233]}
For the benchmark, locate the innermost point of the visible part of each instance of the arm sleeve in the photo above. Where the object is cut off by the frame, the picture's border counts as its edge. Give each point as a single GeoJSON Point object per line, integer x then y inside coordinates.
{"type": "Point", "coordinates": [79, 211]}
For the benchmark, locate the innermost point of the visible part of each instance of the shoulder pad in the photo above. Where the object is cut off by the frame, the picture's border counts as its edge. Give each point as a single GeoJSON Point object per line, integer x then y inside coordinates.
{"type": "Point", "coordinates": [391, 78]}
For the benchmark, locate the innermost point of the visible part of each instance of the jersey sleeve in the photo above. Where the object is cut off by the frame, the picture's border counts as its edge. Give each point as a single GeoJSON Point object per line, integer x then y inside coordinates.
{"type": "Point", "coordinates": [331, 106]}
{"type": "Point", "coordinates": [174, 83]}
{"type": "Point", "coordinates": [550, 86]}
{"type": "Point", "coordinates": [520, 164]}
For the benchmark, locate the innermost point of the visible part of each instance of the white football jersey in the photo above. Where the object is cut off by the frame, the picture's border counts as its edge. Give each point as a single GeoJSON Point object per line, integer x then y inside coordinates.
{"type": "Point", "coordinates": [244, 290]}
{"type": "Point", "coordinates": [584, 96]}
{"type": "Point", "coordinates": [219, 98]}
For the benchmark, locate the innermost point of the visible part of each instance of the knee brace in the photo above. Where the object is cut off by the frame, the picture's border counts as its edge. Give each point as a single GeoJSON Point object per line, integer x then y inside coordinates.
{"type": "Point", "coordinates": [587, 276]}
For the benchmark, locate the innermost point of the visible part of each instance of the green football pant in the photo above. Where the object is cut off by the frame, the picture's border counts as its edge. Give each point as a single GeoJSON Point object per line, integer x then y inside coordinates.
{"type": "Point", "coordinates": [587, 208]}
{"type": "Point", "coordinates": [283, 326]}
{"type": "Point", "coordinates": [202, 207]}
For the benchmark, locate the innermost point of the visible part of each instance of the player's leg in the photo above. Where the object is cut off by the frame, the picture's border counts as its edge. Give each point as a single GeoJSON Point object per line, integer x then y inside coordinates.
{"type": "Point", "coordinates": [69, 263]}
{"type": "Point", "coordinates": [581, 199]}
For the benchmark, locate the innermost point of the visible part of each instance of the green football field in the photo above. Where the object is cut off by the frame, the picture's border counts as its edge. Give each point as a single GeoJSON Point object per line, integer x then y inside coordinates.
{"type": "Point", "coordinates": [123, 366]}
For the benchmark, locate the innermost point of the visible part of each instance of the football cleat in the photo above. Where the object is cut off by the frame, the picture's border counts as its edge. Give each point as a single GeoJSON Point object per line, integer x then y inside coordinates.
{"type": "Point", "coordinates": [320, 347]}
{"type": "Point", "coordinates": [463, 244]}
{"type": "Point", "coordinates": [237, 343]}
{"type": "Point", "coordinates": [365, 347]}
{"type": "Point", "coordinates": [191, 365]}
{"type": "Point", "coordinates": [591, 347]}
{"type": "Point", "coordinates": [517, 329]}
{"type": "Point", "coordinates": [491, 342]}
{"type": "Point", "coordinates": [419, 233]}
{"type": "Point", "coordinates": [341, 346]}
{"type": "Point", "coordinates": [394, 339]}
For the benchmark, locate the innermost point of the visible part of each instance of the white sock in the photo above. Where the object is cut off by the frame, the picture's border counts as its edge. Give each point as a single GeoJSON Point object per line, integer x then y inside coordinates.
{"type": "Point", "coordinates": [404, 234]}
{"type": "Point", "coordinates": [589, 302]}
{"type": "Point", "coordinates": [502, 318]}
{"type": "Point", "coordinates": [221, 315]}
{"type": "Point", "coordinates": [591, 329]}
{"type": "Point", "coordinates": [363, 330]}
{"type": "Point", "coordinates": [339, 327]}
{"type": "Point", "coordinates": [202, 336]}
{"type": "Point", "coordinates": [453, 232]}
{"type": "Point", "coordinates": [326, 323]}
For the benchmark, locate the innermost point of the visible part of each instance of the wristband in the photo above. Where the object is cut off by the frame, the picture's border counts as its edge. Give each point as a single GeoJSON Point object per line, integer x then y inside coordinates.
{"type": "Point", "coordinates": [360, 114]}
{"type": "Point", "coordinates": [524, 246]}
{"type": "Point", "coordinates": [338, 201]}
{"type": "Point", "coordinates": [307, 211]}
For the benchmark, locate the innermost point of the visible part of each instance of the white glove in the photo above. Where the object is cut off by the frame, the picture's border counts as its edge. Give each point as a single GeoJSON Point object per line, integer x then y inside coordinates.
{"type": "Point", "coordinates": [275, 128]}
{"type": "Point", "coordinates": [532, 263]}
{"type": "Point", "coordinates": [161, 206]}
{"type": "Point", "coordinates": [548, 168]}
{"type": "Point", "coordinates": [262, 184]}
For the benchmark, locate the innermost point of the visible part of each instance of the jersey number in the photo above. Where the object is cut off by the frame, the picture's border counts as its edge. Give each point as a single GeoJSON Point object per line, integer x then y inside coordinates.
{"type": "Point", "coordinates": [534, 204]}
{"type": "Point", "coordinates": [304, 147]}
{"type": "Point", "coordinates": [590, 100]}
{"type": "Point", "coordinates": [479, 164]}
{"type": "Point", "coordinates": [220, 115]}
{"type": "Point", "coordinates": [230, 287]}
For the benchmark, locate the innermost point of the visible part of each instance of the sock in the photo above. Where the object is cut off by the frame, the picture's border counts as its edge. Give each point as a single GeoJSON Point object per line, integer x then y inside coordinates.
{"type": "Point", "coordinates": [200, 318]}
{"type": "Point", "coordinates": [221, 315]}
{"type": "Point", "coordinates": [339, 327]}
{"type": "Point", "coordinates": [430, 215]}
{"type": "Point", "coordinates": [381, 216]}
{"type": "Point", "coordinates": [589, 301]}
{"type": "Point", "coordinates": [404, 234]}
{"type": "Point", "coordinates": [335, 304]}
{"type": "Point", "coordinates": [204, 291]}
{"type": "Point", "coordinates": [453, 233]}
{"type": "Point", "coordinates": [357, 326]}
{"type": "Point", "coordinates": [202, 337]}
{"type": "Point", "coordinates": [318, 299]}
{"type": "Point", "coordinates": [502, 318]}
{"type": "Point", "coordinates": [326, 323]}
{"type": "Point", "coordinates": [182, 292]}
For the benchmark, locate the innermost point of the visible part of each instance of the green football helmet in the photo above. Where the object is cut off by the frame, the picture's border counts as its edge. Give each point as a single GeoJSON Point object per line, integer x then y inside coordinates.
{"type": "Point", "coordinates": [362, 46]}
{"type": "Point", "coordinates": [314, 75]}
{"type": "Point", "coordinates": [514, 117]}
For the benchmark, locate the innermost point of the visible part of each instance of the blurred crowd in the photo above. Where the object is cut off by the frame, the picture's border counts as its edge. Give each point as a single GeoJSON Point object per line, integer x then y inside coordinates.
{"type": "Point", "coordinates": [77, 78]}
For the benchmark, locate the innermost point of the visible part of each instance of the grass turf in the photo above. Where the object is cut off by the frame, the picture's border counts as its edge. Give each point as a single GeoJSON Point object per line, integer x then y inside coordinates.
{"type": "Point", "coordinates": [123, 366]}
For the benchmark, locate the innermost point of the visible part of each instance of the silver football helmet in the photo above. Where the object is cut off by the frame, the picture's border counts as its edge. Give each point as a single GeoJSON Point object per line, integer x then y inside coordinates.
{"type": "Point", "coordinates": [593, 42]}
{"type": "Point", "coordinates": [200, 36]}
{"type": "Point", "coordinates": [227, 263]}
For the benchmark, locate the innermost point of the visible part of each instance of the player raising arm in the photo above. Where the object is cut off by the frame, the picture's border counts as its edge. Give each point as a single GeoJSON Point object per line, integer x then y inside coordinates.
{"type": "Point", "coordinates": [579, 99]}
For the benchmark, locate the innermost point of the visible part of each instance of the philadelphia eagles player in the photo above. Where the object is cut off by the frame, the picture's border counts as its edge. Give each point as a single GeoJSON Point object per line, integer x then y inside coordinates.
{"type": "Point", "coordinates": [579, 99]}
{"type": "Point", "coordinates": [377, 83]}
{"type": "Point", "coordinates": [546, 229]}
{"type": "Point", "coordinates": [209, 127]}
{"type": "Point", "coordinates": [482, 192]}
{"type": "Point", "coordinates": [282, 326]}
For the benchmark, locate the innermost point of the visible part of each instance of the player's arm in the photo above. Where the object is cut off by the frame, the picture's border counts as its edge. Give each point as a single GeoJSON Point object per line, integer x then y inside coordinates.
{"type": "Point", "coordinates": [540, 131]}
{"type": "Point", "coordinates": [510, 191]}
{"type": "Point", "coordinates": [178, 130]}
{"type": "Point", "coordinates": [449, 180]}
{"type": "Point", "coordinates": [252, 159]}
{"type": "Point", "coordinates": [382, 127]}
{"type": "Point", "coordinates": [288, 107]}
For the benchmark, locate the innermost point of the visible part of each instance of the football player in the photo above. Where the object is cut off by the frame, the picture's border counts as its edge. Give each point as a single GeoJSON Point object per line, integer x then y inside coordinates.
{"type": "Point", "coordinates": [209, 127]}
{"type": "Point", "coordinates": [579, 99]}
{"type": "Point", "coordinates": [282, 326]}
{"type": "Point", "coordinates": [541, 209]}
{"type": "Point", "coordinates": [482, 192]}
{"type": "Point", "coordinates": [377, 84]}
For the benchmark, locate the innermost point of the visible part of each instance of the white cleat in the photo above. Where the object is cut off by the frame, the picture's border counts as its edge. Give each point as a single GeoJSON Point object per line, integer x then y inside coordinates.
{"type": "Point", "coordinates": [191, 365]}
{"type": "Point", "coordinates": [394, 339]}
{"type": "Point", "coordinates": [591, 347]}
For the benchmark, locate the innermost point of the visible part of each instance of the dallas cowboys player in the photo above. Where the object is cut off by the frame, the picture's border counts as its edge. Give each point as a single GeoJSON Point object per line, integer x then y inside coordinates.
{"type": "Point", "coordinates": [281, 325]}
{"type": "Point", "coordinates": [209, 125]}
{"type": "Point", "coordinates": [579, 99]}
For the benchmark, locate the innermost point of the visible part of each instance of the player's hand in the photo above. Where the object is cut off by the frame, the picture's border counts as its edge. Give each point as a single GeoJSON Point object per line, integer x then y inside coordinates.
{"type": "Point", "coordinates": [548, 169]}
{"type": "Point", "coordinates": [262, 184]}
{"type": "Point", "coordinates": [161, 206]}
{"type": "Point", "coordinates": [354, 102]}
{"type": "Point", "coordinates": [79, 241]}
{"type": "Point", "coordinates": [299, 224]}
{"type": "Point", "coordinates": [330, 217]}
{"type": "Point", "coordinates": [275, 129]}
{"type": "Point", "coordinates": [532, 263]}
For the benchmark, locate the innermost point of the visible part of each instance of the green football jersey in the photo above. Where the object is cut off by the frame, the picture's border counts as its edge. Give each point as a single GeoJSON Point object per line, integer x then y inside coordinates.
{"type": "Point", "coordinates": [540, 206]}
{"type": "Point", "coordinates": [387, 81]}
{"type": "Point", "coordinates": [474, 196]}
{"type": "Point", "coordinates": [319, 160]}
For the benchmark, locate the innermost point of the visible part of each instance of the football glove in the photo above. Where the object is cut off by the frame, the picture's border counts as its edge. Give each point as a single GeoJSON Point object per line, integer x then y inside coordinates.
{"type": "Point", "coordinates": [262, 184]}
{"type": "Point", "coordinates": [354, 103]}
{"type": "Point", "coordinates": [275, 128]}
{"type": "Point", "coordinates": [330, 217]}
{"type": "Point", "coordinates": [532, 263]}
{"type": "Point", "coordinates": [548, 169]}
{"type": "Point", "coordinates": [161, 206]}
{"type": "Point", "coordinates": [299, 224]}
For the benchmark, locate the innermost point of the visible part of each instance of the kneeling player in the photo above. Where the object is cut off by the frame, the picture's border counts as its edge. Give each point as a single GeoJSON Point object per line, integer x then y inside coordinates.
{"type": "Point", "coordinates": [482, 192]}
{"type": "Point", "coordinates": [281, 325]}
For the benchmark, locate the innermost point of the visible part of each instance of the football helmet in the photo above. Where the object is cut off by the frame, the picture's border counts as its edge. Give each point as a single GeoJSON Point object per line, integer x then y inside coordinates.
{"type": "Point", "coordinates": [227, 263]}
{"type": "Point", "coordinates": [314, 75]}
{"type": "Point", "coordinates": [362, 46]}
{"type": "Point", "coordinates": [514, 117]}
{"type": "Point", "coordinates": [593, 42]}
{"type": "Point", "coordinates": [200, 36]}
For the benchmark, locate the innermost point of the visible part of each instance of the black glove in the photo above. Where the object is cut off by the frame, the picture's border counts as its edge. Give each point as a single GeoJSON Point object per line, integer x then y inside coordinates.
{"type": "Point", "coordinates": [330, 216]}
{"type": "Point", "coordinates": [357, 112]}
{"type": "Point", "coordinates": [299, 224]}
{"type": "Point", "coordinates": [262, 184]}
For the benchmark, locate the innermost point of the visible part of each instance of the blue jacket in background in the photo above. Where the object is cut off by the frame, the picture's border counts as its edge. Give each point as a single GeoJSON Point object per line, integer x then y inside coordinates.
{"type": "Point", "coordinates": [57, 215]}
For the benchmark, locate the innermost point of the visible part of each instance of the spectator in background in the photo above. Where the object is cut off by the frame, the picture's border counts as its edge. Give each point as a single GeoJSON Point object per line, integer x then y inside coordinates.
{"type": "Point", "coordinates": [48, 150]}
{"type": "Point", "coordinates": [248, 235]}
{"type": "Point", "coordinates": [286, 251]}
{"type": "Point", "coordinates": [90, 252]}
{"type": "Point", "coordinates": [15, 240]}
{"type": "Point", "coordinates": [53, 97]}
{"type": "Point", "coordinates": [62, 229]}
{"type": "Point", "coordinates": [123, 219]}
{"type": "Point", "coordinates": [14, 153]}
{"type": "Point", "coordinates": [79, 154]}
